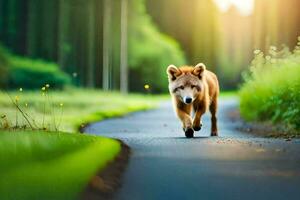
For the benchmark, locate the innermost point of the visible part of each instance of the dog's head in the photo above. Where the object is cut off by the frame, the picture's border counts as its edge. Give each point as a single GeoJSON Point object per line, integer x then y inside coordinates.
{"type": "Point", "coordinates": [186, 82]}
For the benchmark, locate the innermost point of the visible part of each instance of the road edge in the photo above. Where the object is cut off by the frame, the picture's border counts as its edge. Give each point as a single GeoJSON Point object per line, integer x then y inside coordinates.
{"type": "Point", "coordinates": [260, 129]}
{"type": "Point", "coordinates": [105, 183]}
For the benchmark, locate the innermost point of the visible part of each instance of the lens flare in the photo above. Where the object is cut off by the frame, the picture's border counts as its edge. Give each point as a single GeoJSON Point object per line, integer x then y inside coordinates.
{"type": "Point", "coordinates": [245, 7]}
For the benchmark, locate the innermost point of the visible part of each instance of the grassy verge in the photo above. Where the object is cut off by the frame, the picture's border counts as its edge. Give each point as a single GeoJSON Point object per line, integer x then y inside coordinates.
{"type": "Point", "coordinates": [68, 110]}
{"type": "Point", "coordinates": [38, 165]}
{"type": "Point", "coordinates": [271, 92]}
{"type": "Point", "coordinates": [55, 165]}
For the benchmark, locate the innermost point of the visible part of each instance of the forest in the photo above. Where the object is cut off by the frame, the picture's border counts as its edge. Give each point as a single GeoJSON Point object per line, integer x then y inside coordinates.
{"type": "Point", "coordinates": [125, 44]}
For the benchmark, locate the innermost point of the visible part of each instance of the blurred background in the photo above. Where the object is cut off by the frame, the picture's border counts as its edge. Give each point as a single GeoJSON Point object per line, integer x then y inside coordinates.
{"type": "Point", "coordinates": [127, 44]}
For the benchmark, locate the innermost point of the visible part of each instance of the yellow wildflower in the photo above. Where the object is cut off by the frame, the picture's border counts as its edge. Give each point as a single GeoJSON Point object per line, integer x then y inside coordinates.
{"type": "Point", "coordinates": [273, 48]}
{"type": "Point", "coordinates": [257, 51]}
{"type": "Point", "coordinates": [147, 87]}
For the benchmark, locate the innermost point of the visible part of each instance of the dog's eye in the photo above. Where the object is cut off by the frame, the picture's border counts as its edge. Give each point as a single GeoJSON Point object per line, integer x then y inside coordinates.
{"type": "Point", "coordinates": [196, 86]}
{"type": "Point", "coordinates": [178, 88]}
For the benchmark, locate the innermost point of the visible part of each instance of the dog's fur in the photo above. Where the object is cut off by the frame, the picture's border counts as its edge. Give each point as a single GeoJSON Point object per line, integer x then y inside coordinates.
{"type": "Point", "coordinates": [197, 89]}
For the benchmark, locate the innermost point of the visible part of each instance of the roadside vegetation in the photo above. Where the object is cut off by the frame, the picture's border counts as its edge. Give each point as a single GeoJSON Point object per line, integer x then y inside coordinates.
{"type": "Point", "coordinates": [37, 159]}
{"type": "Point", "coordinates": [66, 110]}
{"type": "Point", "coordinates": [17, 71]}
{"type": "Point", "coordinates": [35, 165]}
{"type": "Point", "coordinates": [42, 155]}
{"type": "Point", "coordinates": [271, 91]}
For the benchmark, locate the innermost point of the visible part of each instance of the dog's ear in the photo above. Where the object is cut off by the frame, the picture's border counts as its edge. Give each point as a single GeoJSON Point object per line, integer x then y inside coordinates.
{"type": "Point", "coordinates": [199, 70]}
{"type": "Point", "coordinates": [173, 72]}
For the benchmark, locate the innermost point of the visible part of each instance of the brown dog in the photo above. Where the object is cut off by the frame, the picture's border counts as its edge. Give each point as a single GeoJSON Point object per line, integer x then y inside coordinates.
{"type": "Point", "coordinates": [194, 88]}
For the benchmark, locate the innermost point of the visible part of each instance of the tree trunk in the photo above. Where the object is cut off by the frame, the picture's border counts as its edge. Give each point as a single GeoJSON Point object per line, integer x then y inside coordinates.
{"type": "Point", "coordinates": [32, 28]}
{"type": "Point", "coordinates": [63, 25]}
{"type": "Point", "coordinates": [106, 45]}
{"type": "Point", "coordinates": [123, 53]}
{"type": "Point", "coordinates": [91, 45]}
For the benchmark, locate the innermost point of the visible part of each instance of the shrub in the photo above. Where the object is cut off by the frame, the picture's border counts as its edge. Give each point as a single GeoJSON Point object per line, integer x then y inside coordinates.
{"type": "Point", "coordinates": [271, 91]}
{"type": "Point", "coordinates": [35, 73]}
{"type": "Point", "coordinates": [16, 72]}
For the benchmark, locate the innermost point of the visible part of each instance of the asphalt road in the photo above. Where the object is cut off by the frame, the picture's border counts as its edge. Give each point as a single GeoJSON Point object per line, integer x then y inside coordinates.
{"type": "Point", "coordinates": [235, 165]}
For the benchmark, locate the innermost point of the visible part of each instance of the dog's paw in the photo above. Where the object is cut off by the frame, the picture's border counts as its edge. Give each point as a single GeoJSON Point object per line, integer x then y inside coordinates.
{"type": "Point", "coordinates": [189, 132]}
{"type": "Point", "coordinates": [214, 133]}
{"type": "Point", "coordinates": [197, 125]}
{"type": "Point", "coordinates": [197, 128]}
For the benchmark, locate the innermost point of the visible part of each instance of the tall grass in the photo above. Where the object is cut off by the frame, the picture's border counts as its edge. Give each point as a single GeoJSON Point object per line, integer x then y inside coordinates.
{"type": "Point", "coordinates": [66, 110]}
{"type": "Point", "coordinates": [271, 91]}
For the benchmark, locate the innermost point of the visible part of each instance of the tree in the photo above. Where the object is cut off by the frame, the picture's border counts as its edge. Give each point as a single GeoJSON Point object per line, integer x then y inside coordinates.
{"type": "Point", "coordinates": [123, 52]}
{"type": "Point", "coordinates": [198, 27]}
{"type": "Point", "coordinates": [62, 32]}
{"type": "Point", "coordinates": [33, 26]}
{"type": "Point", "coordinates": [106, 44]}
{"type": "Point", "coordinates": [91, 44]}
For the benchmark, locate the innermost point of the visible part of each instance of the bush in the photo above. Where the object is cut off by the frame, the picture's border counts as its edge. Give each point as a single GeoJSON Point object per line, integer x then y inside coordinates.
{"type": "Point", "coordinates": [16, 72]}
{"type": "Point", "coordinates": [34, 74]}
{"type": "Point", "coordinates": [271, 91]}
{"type": "Point", "coordinates": [150, 51]}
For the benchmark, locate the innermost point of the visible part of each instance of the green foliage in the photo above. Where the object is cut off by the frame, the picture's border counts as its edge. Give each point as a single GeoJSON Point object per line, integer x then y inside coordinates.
{"type": "Point", "coordinates": [16, 72]}
{"type": "Point", "coordinates": [271, 91]}
{"type": "Point", "coordinates": [33, 74]}
{"type": "Point", "coordinates": [150, 51]}
{"type": "Point", "coordinates": [50, 165]}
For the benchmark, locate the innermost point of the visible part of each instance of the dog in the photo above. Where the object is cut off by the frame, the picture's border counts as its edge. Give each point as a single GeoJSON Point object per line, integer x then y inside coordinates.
{"type": "Point", "coordinates": [194, 88]}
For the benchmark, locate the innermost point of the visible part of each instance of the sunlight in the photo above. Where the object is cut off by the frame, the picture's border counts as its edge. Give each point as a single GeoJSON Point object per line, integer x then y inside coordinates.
{"type": "Point", "coordinates": [245, 6]}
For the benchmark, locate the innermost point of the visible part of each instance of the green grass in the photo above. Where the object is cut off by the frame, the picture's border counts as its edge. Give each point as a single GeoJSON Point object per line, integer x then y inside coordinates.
{"type": "Point", "coordinates": [228, 94]}
{"type": "Point", "coordinates": [56, 165]}
{"type": "Point", "coordinates": [272, 89]}
{"type": "Point", "coordinates": [35, 165]}
{"type": "Point", "coordinates": [79, 107]}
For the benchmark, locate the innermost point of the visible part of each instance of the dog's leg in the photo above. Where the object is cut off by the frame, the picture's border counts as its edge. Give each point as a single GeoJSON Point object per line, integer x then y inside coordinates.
{"type": "Point", "coordinates": [184, 115]}
{"type": "Point", "coordinates": [200, 109]}
{"type": "Point", "coordinates": [197, 123]}
{"type": "Point", "coordinates": [213, 110]}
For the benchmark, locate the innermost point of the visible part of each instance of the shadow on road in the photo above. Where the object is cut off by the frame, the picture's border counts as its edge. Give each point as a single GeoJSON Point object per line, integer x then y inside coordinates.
{"type": "Point", "coordinates": [194, 138]}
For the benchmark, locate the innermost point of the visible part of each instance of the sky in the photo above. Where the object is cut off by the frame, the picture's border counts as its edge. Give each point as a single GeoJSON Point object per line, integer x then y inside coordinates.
{"type": "Point", "coordinates": [245, 7]}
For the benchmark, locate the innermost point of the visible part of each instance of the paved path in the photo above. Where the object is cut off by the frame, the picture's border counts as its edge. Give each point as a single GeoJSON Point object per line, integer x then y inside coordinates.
{"type": "Point", "coordinates": [166, 165]}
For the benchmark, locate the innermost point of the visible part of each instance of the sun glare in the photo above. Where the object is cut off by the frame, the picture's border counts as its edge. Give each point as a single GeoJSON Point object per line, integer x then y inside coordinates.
{"type": "Point", "coordinates": [244, 6]}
